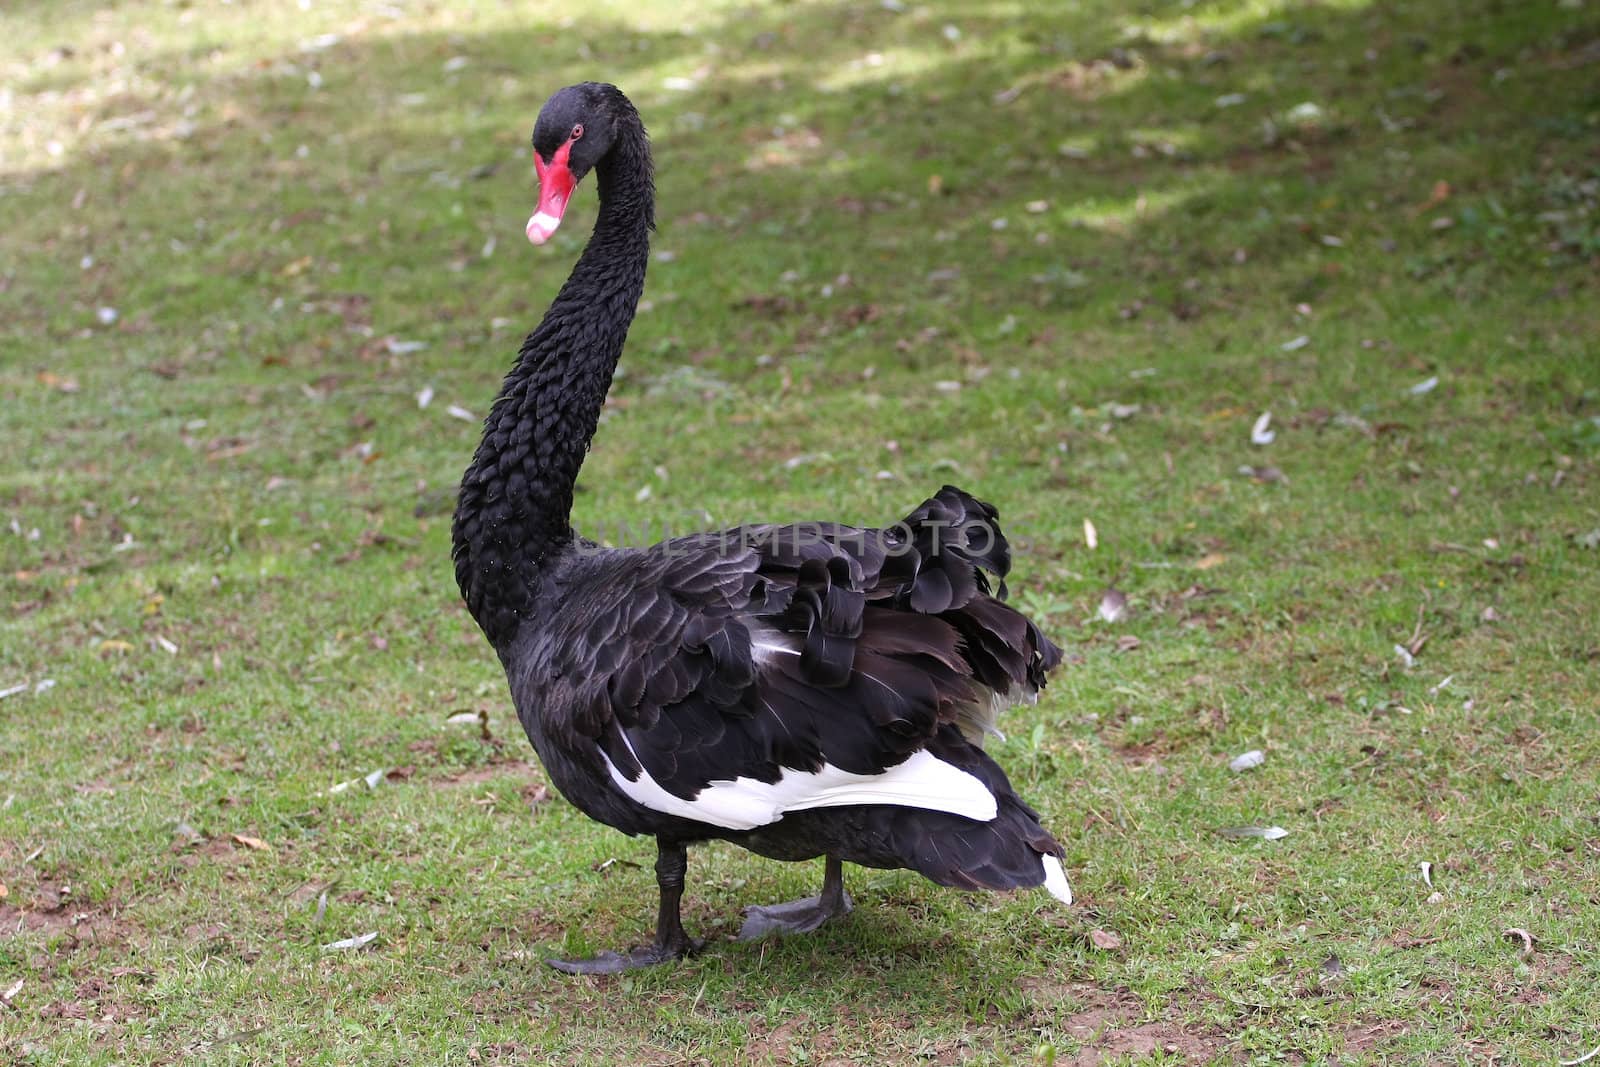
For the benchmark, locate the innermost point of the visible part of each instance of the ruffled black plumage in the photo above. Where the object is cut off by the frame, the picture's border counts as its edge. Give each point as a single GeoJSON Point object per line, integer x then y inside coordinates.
{"type": "Point", "coordinates": [660, 650]}
{"type": "Point", "coordinates": [802, 689]}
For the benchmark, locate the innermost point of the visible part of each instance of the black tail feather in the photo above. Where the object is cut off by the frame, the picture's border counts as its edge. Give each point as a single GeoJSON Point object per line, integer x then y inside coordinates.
{"type": "Point", "coordinates": [1004, 853]}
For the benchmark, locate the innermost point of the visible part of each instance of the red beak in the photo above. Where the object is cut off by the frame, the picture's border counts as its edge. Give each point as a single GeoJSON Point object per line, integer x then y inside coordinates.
{"type": "Point", "coordinates": [555, 187]}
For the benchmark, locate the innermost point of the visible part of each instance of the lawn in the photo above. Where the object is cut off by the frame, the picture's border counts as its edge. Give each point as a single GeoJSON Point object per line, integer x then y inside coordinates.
{"type": "Point", "coordinates": [263, 268]}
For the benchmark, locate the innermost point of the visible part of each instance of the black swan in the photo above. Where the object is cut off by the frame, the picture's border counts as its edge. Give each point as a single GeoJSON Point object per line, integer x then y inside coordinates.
{"type": "Point", "coordinates": [802, 691]}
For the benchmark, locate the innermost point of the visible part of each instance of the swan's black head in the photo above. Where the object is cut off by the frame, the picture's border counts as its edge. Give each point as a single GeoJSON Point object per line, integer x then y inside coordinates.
{"type": "Point", "coordinates": [576, 128]}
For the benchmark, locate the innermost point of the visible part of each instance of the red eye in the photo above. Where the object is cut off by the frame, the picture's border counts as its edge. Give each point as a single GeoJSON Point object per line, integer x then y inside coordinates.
{"type": "Point", "coordinates": [577, 131]}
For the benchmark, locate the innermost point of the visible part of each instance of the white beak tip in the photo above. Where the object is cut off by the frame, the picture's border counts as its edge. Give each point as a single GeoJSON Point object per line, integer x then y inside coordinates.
{"type": "Point", "coordinates": [541, 226]}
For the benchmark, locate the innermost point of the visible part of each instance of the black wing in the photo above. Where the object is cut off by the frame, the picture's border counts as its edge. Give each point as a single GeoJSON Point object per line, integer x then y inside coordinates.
{"type": "Point", "coordinates": [811, 648]}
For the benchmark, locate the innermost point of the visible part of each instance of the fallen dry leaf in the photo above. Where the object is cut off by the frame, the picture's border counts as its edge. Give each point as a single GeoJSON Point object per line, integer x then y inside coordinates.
{"type": "Point", "coordinates": [1254, 758]}
{"type": "Point", "coordinates": [253, 843]}
{"type": "Point", "coordinates": [1105, 940]}
{"type": "Point", "coordinates": [57, 382]}
{"type": "Point", "coordinates": [1210, 560]}
{"type": "Point", "coordinates": [1114, 606]}
{"type": "Point", "coordinates": [1517, 933]}
{"type": "Point", "coordinates": [1439, 194]}
{"type": "Point", "coordinates": [1263, 474]}
{"type": "Point", "coordinates": [1266, 833]}
{"type": "Point", "coordinates": [350, 943]}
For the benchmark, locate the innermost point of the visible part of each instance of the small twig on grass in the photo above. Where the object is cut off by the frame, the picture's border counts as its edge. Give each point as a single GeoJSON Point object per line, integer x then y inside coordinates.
{"type": "Point", "coordinates": [1585, 1058]}
{"type": "Point", "coordinates": [1124, 821]}
{"type": "Point", "coordinates": [1418, 638]}
{"type": "Point", "coordinates": [1096, 813]}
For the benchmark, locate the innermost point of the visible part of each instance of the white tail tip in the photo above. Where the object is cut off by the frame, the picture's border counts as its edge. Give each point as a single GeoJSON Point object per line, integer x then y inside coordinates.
{"type": "Point", "coordinates": [1055, 880]}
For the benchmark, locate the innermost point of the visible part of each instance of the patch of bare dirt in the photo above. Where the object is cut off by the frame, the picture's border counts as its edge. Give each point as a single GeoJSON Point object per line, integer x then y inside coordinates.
{"type": "Point", "coordinates": [1146, 1040]}
{"type": "Point", "coordinates": [1105, 1024]}
{"type": "Point", "coordinates": [1365, 1037]}
{"type": "Point", "coordinates": [1139, 754]}
{"type": "Point", "coordinates": [223, 850]}
{"type": "Point", "coordinates": [795, 1040]}
{"type": "Point", "coordinates": [768, 306]}
{"type": "Point", "coordinates": [1549, 973]}
{"type": "Point", "coordinates": [80, 925]}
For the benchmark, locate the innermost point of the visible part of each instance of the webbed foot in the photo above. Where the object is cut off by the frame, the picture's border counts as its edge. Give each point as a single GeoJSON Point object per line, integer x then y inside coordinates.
{"type": "Point", "coordinates": [617, 962]}
{"type": "Point", "coordinates": [800, 916]}
{"type": "Point", "coordinates": [794, 917]}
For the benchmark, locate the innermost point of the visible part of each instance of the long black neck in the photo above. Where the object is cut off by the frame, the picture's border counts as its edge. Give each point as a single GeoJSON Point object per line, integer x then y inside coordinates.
{"type": "Point", "coordinates": [515, 510]}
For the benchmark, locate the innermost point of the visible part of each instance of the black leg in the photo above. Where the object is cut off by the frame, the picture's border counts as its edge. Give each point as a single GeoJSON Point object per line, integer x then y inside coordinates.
{"type": "Point", "coordinates": [801, 916]}
{"type": "Point", "coordinates": [833, 894]}
{"type": "Point", "coordinates": [671, 942]}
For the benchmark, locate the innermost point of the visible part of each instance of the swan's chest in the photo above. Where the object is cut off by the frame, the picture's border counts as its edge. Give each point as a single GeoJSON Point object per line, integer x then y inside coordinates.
{"type": "Point", "coordinates": [544, 704]}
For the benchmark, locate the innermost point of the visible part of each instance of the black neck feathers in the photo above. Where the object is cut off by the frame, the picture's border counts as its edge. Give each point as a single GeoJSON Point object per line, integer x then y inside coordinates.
{"type": "Point", "coordinates": [515, 508]}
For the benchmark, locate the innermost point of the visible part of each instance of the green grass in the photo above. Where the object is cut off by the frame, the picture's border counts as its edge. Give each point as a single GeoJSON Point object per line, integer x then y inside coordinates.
{"type": "Point", "coordinates": [1103, 226]}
